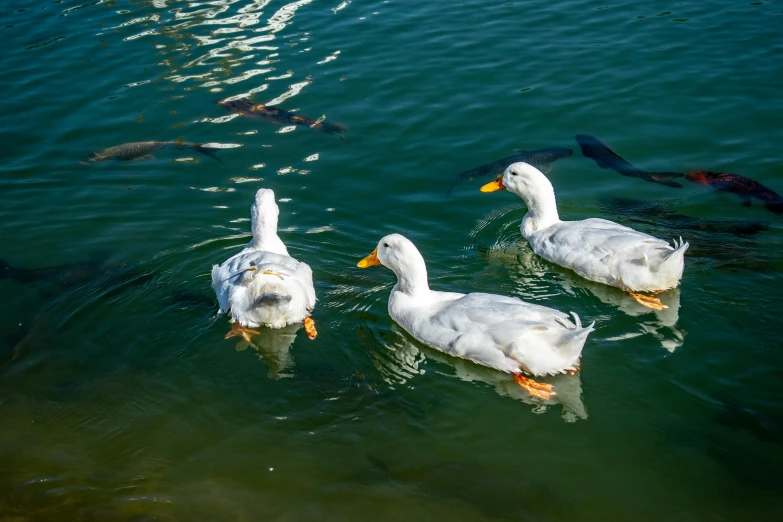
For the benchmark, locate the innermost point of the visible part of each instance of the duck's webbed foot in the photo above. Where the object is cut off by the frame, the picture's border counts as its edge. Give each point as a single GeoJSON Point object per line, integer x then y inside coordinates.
{"type": "Point", "coordinates": [541, 390]}
{"type": "Point", "coordinates": [237, 330]}
{"type": "Point", "coordinates": [648, 300]}
{"type": "Point", "coordinates": [309, 326]}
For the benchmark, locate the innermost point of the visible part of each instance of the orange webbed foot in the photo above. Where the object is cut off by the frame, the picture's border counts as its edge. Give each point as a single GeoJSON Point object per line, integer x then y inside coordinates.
{"type": "Point", "coordinates": [536, 389]}
{"type": "Point", "coordinates": [309, 326]}
{"type": "Point", "coordinates": [237, 330]}
{"type": "Point", "coordinates": [647, 301]}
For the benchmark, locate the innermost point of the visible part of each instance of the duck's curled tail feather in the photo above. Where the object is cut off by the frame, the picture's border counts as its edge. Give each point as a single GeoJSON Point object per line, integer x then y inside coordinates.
{"type": "Point", "coordinates": [574, 339]}
{"type": "Point", "coordinates": [678, 252]}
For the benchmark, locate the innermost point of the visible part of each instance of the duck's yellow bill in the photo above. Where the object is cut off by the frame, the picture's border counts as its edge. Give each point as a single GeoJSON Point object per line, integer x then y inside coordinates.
{"type": "Point", "coordinates": [370, 260]}
{"type": "Point", "coordinates": [492, 186]}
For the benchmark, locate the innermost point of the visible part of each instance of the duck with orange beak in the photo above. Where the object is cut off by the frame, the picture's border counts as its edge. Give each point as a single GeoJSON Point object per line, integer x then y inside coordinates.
{"type": "Point", "coordinates": [596, 249]}
{"type": "Point", "coordinates": [504, 333]}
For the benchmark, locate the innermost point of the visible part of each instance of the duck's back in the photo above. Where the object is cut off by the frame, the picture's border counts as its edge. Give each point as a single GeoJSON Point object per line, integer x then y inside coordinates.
{"type": "Point", "coordinates": [490, 329]}
{"type": "Point", "coordinates": [598, 249]}
{"type": "Point", "coordinates": [261, 287]}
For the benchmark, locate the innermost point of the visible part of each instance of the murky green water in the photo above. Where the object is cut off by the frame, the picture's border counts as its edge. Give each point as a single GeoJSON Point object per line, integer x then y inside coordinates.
{"type": "Point", "coordinates": [119, 397]}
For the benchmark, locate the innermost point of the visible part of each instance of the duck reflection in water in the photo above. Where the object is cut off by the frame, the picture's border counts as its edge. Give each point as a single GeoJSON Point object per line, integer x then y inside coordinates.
{"type": "Point", "coordinates": [274, 347]}
{"type": "Point", "coordinates": [403, 359]}
{"type": "Point", "coordinates": [534, 278]}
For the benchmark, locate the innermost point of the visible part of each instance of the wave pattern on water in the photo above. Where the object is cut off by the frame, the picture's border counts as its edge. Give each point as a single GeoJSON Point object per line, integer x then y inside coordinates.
{"type": "Point", "coordinates": [122, 400]}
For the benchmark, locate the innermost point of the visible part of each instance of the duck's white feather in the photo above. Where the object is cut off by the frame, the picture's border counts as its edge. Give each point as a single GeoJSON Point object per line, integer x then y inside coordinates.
{"type": "Point", "coordinates": [500, 332]}
{"type": "Point", "coordinates": [262, 284]}
{"type": "Point", "coordinates": [596, 249]}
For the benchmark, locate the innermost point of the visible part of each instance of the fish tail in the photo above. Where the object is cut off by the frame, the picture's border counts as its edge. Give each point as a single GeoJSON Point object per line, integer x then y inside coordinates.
{"type": "Point", "coordinates": [207, 151]}
{"type": "Point", "coordinates": [332, 128]}
{"type": "Point", "coordinates": [774, 206]}
{"type": "Point", "coordinates": [90, 159]}
{"type": "Point", "coordinates": [6, 269]}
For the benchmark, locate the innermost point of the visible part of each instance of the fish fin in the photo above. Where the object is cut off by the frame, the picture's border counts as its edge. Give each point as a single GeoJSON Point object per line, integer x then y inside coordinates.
{"type": "Point", "coordinates": [545, 168]}
{"type": "Point", "coordinates": [145, 157]}
{"type": "Point", "coordinates": [668, 183]}
{"type": "Point", "coordinates": [451, 187]}
{"type": "Point", "coordinates": [379, 464]}
{"type": "Point", "coordinates": [521, 151]}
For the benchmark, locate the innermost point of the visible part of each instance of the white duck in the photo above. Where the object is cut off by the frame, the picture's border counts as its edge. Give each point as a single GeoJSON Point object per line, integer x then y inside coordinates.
{"type": "Point", "coordinates": [500, 332]}
{"type": "Point", "coordinates": [596, 249]}
{"type": "Point", "coordinates": [262, 285]}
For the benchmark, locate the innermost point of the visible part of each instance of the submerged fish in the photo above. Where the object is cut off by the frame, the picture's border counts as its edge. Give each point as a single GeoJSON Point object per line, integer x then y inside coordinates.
{"type": "Point", "coordinates": [144, 149]}
{"type": "Point", "coordinates": [607, 159]}
{"type": "Point", "coordinates": [496, 495]}
{"type": "Point", "coordinates": [656, 213]}
{"type": "Point", "coordinates": [65, 275]}
{"type": "Point", "coordinates": [247, 108]}
{"type": "Point", "coordinates": [745, 188]}
{"type": "Point", "coordinates": [542, 159]}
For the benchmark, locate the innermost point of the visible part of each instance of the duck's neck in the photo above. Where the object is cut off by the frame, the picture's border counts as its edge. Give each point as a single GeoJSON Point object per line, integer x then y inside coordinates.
{"type": "Point", "coordinates": [412, 276]}
{"type": "Point", "coordinates": [541, 208]}
{"type": "Point", "coordinates": [264, 227]}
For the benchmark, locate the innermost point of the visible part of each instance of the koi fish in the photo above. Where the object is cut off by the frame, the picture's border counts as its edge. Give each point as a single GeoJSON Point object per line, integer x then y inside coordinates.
{"type": "Point", "coordinates": [607, 159]}
{"type": "Point", "coordinates": [140, 150]}
{"type": "Point", "coordinates": [542, 159]}
{"type": "Point", "coordinates": [247, 108]}
{"type": "Point", "coordinates": [745, 188]}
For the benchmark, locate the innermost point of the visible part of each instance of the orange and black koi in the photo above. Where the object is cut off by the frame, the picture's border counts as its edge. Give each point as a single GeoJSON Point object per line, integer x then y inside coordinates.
{"type": "Point", "coordinates": [745, 188]}
{"type": "Point", "coordinates": [247, 108]}
{"type": "Point", "coordinates": [607, 159]}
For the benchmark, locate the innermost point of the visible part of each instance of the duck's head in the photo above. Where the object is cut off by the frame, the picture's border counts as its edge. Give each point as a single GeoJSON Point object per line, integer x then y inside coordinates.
{"type": "Point", "coordinates": [519, 178]}
{"type": "Point", "coordinates": [393, 251]}
{"type": "Point", "coordinates": [401, 256]}
{"type": "Point", "coordinates": [263, 215]}
{"type": "Point", "coordinates": [265, 202]}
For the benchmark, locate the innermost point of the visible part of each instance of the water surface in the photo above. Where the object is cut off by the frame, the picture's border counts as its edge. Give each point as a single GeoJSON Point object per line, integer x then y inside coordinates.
{"type": "Point", "coordinates": [120, 398]}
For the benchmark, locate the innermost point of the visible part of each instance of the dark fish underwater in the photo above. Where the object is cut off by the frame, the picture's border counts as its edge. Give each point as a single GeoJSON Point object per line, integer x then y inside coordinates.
{"type": "Point", "coordinates": [744, 187]}
{"type": "Point", "coordinates": [247, 108]}
{"type": "Point", "coordinates": [542, 159]}
{"type": "Point", "coordinates": [143, 150]}
{"type": "Point", "coordinates": [65, 276]}
{"type": "Point", "coordinates": [595, 149]}
{"type": "Point", "coordinates": [662, 216]}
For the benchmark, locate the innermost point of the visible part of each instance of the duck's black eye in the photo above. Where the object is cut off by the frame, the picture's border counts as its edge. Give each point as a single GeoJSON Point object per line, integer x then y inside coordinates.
{"type": "Point", "coordinates": [513, 173]}
{"type": "Point", "coordinates": [386, 245]}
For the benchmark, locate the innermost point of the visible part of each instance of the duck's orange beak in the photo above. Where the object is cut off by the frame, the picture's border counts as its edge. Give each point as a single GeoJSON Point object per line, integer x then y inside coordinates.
{"type": "Point", "coordinates": [492, 186]}
{"type": "Point", "coordinates": [370, 260]}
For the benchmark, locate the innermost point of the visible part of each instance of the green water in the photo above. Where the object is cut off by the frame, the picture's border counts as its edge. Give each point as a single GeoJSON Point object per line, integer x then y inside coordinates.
{"type": "Point", "coordinates": [120, 399]}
